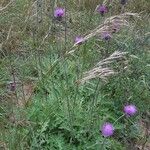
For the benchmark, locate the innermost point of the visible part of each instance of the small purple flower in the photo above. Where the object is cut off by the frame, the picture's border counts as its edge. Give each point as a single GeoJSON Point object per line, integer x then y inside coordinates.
{"type": "Point", "coordinates": [106, 36]}
{"type": "Point", "coordinates": [107, 129]}
{"type": "Point", "coordinates": [123, 2]}
{"type": "Point", "coordinates": [59, 13]}
{"type": "Point", "coordinates": [79, 40]}
{"type": "Point", "coordinates": [130, 110]}
{"type": "Point", "coordinates": [102, 9]}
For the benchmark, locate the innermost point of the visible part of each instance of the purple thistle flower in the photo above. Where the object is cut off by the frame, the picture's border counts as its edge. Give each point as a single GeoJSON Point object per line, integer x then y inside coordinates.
{"type": "Point", "coordinates": [59, 13]}
{"type": "Point", "coordinates": [130, 110]}
{"type": "Point", "coordinates": [79, 40]}
{"type": "Point", "coordinates": [123, 2]}
{"type": "Point", "coordinates": [102, 9]}
{"type": "Point", "coordinates": [106, 36]}
{"type": "Point", "coordinates": [107, 129]}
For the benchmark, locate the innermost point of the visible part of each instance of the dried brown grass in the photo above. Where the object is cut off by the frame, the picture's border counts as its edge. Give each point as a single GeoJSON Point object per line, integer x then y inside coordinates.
{"type": "Point", "coordinates": [101, 70]}
{"type": "Point", "coordinates": [111, 23]}
{"type": "Point", "coordinates": [132, 5]}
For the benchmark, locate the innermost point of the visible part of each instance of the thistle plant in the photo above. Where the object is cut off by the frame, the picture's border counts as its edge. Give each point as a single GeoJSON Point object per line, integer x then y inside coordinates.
{"type": "Point", "coordinates": [77, 68]}
{"type": "Point", "coordinates": [108, 129]}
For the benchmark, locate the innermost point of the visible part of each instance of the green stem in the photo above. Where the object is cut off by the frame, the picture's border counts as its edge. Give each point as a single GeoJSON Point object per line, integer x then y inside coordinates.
{"type": "Point", "coordinates": [94, 102]}
{"type": "Point", "coordinates": [118, 119]}
{"type": "Point", "coordinates": [65, 70]}
{"type": "Point", "coordinates": [103, 143]}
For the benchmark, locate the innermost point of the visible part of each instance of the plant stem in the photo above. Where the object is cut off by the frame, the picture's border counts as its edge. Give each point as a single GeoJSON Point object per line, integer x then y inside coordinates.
{"type": "Point", "coordinates": [94, 102]}
{"type": "Point", "coordinates": [119, 119]}
{"type": "Point", "coordinates": [65, 69]}
{"type": "Point", "coordinates": [103, 144]}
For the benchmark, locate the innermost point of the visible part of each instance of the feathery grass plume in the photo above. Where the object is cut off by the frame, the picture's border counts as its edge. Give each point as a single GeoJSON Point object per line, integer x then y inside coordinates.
{"type": "Point", "coordinates": [110, 23]}
{"type": "Point", "coordinates": [100, 70]}
{"type": "Point", "coordinates": [3, 8]}
{"type": "Point", "coordinates": [79, 40]}
{"type": "Point", "coordinates": [106, 36]}
{"type": "Point", "coordinates": [117, 55]}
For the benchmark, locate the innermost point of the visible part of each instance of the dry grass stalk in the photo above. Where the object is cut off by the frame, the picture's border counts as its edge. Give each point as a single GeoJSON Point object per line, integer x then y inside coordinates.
{"type": "Point", "coordinates": [3, 145]}
{"type": "Point", "coordinates": [110, 24]}
{"type": "Point", "coordinates": [115, 56]}
{"type": "Point", "coordinates": [97, 72]}
{"type": "Point", "coordinates": [100, 70]}
{"type": "Point", "coordinates": [3, 8]}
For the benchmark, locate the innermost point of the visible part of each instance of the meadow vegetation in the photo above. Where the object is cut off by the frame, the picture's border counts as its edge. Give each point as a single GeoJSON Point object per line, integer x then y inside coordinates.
{"type": "Point", "coordinates": [74, 75]}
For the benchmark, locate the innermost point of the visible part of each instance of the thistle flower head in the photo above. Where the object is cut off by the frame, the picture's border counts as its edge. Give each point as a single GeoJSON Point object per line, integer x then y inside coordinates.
{"type": "Point", "coordinates": [102, 9]}
{"type": "Point", "coordinates": [59, 13]}
{"type": "Point", "coordinates": [130, 110]}
{"type": "Point", "coordinates": [107, 129]}
{"type": "Point", "coordinates": [79, 40]}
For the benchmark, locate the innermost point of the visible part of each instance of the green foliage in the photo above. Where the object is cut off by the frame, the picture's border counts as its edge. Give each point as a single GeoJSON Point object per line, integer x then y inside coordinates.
{"type": "Point", "coordinates": [62, 114]}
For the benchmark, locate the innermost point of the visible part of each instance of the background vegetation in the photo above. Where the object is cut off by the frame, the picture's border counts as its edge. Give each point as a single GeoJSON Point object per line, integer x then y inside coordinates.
{"type": "Point", "coordinates": [43, 104]}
